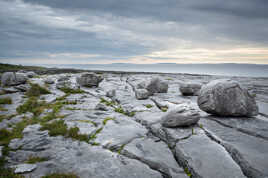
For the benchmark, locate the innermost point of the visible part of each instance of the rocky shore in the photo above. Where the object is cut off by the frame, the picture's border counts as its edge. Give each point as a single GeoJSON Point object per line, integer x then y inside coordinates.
{"type": "Point", "coordinates": [74, 123]}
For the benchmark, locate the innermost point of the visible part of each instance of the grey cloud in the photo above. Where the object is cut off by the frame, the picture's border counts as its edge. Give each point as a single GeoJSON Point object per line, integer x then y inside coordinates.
{"type": "Point", "coordinates": [117, 29]}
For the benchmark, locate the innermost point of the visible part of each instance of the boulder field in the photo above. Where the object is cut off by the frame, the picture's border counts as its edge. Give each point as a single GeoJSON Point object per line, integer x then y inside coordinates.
{"type": "Point", "coordinates": [132, 125]}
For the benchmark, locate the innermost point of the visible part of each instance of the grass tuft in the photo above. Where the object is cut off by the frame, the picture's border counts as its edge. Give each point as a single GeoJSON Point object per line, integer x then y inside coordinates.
{"type": "Point", "coordinates": [164, 108]}
{"type": "Point", "coordinates": [107, 103]}
{"type": "Point", "coordinates": [121, 110]}
{"type": "Point", "coordinates": [60, 128]}
{"type": "Point", "coordinates": [35, 159]}
{"type": "Point", "coordinates": [149, 106]}
{"type": "Point", "coordinates": [71, 90]}
{"type": "Point", "coordinates": [6, 100]}
{"type": "Point", "coordinates": [104, 122]}
{"type": "Point", "coordinates": [32, 105]}
{"type": "Point", "coordinates": [36, 90]}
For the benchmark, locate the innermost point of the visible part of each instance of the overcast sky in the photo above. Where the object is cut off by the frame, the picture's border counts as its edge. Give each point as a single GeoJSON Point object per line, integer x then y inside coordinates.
{"type": "Point", "coordinates": [133, 31]}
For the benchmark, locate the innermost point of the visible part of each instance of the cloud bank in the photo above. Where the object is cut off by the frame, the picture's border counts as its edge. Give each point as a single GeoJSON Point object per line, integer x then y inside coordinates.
{"type": "Point", "coordinates": [151, 31]}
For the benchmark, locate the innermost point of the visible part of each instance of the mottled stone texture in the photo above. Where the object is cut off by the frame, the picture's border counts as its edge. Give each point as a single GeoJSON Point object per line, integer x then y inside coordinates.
{"type": "Point", "coordinates": [89, 80]}
{"type": "Point", "coordinates": [226, 97]}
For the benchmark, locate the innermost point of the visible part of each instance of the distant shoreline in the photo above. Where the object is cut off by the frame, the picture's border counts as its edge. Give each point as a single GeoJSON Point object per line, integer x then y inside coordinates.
{"type": "Point", "coordinates": [74, 68]}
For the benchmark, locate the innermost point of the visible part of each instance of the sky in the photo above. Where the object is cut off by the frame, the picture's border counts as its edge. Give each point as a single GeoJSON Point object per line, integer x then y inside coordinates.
{"type": "Point", "coordinates": [133, 31]}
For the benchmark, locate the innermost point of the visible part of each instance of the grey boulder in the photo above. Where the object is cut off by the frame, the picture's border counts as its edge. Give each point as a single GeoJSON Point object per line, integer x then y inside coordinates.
{"type": "Point", "coordinates": [180, 117]}
{"type": "Point", "coordinates": [225, 97]}
{"type": "Point", "coordinates": [190, 89]}
{"type": "Point", "coordinates": [89, 80]}
{"type": "Point", "coordinates": [142, 94]}
{"type": "Point", "coordinates": [157, 86]}
{"type": "Point", "coordinates": [49, 81]}
{"type": "Point", "coordinates": [111, 93]}
{"type": "Point", "coordinates": [12, 79]}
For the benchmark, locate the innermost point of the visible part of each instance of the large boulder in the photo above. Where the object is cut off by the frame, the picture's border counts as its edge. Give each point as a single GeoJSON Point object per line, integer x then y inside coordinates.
{"type": "Point", "coordinates": [225, 97]}
{"type": "Point", "coordinates": [142, 94]}
{"type": "Point", "coordinates": [12, 79]}
{"type": "Point", "coordinates": [89, 80]}
{"type": "Point", "coordinates": [180, 117]}
{"type": "Point", "coordinates": [157, 86]}
{"type": "Point", "coordinates": [190, 89]}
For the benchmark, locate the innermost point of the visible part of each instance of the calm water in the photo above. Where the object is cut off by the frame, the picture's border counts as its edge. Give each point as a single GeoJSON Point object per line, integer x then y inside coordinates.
{"type": "Point", "coordinates": [212, 69]}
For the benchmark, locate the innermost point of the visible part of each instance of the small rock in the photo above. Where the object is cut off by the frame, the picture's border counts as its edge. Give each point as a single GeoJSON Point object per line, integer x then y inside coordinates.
{"type": "Point", "coordinates": [142, 94]}
{"type": "Point", "coordinates": [111, 93]}
{"type": "Point", "coordinates": [101, 107]}
{"type": "Point", "coordinates": [30, 74]}
{"type": "Point", "coordinates": [225, 97]}
{"type": "Point", "coordinates": [23, 168]}
{"type": "Point", "coordinates": [157, 86]}
{"type": "Point", "coordinates": [49, 81]}
{"type": "Point", "coordinates": [180, 117]}
{"type": "Point", "coordinates": [89, 80]}
{"type": "Point", "coordinates": [12, 79]}
{"type": "Point", "coordinates": [190, 89]}
{"type": "Point", "coordinates": [1, 147]}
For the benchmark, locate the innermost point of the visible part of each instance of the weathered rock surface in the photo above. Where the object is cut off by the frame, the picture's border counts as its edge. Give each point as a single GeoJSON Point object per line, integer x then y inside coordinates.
{"type": "Point", "coordinates": [24, 168]}
{"type": "Point", "coordinates": [190, 89]}
{"type": "Point", "coordinates": [30, 74]}
{"type": "Point", "coordinates": [49, 81]}
{"type": "Point", "coordinates": [89, 80]}
{"type": "Point", "coordinates": [206, 161]}
{"type": "Point", "coordinates": [227, 98]}
{"type": "Point", "coordinates": [11, 79]}
{"type": "Point", "coordinates": [142, 94]}
{"type": "Point", "coordinates": [180, 117]}
{"type": "Point", "coordinates": [127, 137]}
{"type": "Point", "coordinates": [157, 85]}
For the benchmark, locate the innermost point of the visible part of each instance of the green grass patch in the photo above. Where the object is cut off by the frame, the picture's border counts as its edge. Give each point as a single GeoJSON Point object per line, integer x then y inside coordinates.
{"type": "Point", "coordinates": [3, 109]}
{"type": "Point", "coordinates": [62, 97]}
{"type": "Point", "coordinates": [164, 108]}
{"type": "Point", "coordinates": [36, 90]}
{"type": "Point", "coordinates": [186, 170]}
{"type": "Point", "coordinates": [6, 100]}
{"type": "Point", "coordinates": [121, 110]}
{"type": "Point", "coordinates": [107, 103]}
{"type": "Point", "coordinates": [32, 105]}
{"type": "Point", "coordinates": [58, 127]}
{"type": "Point", "coordinates": [104, 122]}
{"type": "Point", "coordinates": [71, 90]}
{"type": "Point", "coordinates": [61, 175]}
{"type": "Point", "coordinates": [35, 159]}
{"type": "Point", "coordinates": [149, 106]}
{"type": "Point", "coordinates": [8, 173]}
{"type": "Point", "coordinates": [94, 136]}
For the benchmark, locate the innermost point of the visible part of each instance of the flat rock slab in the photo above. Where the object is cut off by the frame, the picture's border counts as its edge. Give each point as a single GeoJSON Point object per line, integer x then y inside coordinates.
{"type": "Point", "coordinates": [24, 168]}
{"type": "Point", "coordinates": [252, 126]}
{"type": "Point", "coordinates": [252, 149]}
{"type": "Point", "coordinates": [263, 108]}
{"type": "Point", "coordinates": [155, 154]}
{"type": "Point", "coordinates": [207, 158]}
{"type": "Point", "coordinates": [17, 100]}
{"type": "Point", "coordinates": [119, 131]}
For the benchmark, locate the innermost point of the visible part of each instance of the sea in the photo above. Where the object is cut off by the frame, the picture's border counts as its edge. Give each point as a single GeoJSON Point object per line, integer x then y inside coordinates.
{"type": "Point", "coordinates": [247, 70]}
